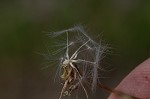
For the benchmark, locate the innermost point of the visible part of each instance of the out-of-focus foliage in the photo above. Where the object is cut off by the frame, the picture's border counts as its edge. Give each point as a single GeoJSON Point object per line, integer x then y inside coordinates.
{"type": "Point", "coordinates": [124, 24]}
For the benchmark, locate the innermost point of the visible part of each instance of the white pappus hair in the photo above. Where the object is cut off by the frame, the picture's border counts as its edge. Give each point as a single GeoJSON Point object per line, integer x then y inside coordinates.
{"type": "Point", "coordinates": [80, 49]}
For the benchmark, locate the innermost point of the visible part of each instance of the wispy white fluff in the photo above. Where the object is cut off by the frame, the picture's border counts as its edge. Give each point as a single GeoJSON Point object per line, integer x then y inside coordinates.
{"type": "Point", "coordinates": [82, 50]}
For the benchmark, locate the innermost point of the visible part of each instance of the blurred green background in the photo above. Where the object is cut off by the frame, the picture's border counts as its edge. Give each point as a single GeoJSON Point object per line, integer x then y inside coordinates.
{"type": "Point", "coordinates": [125, 25]}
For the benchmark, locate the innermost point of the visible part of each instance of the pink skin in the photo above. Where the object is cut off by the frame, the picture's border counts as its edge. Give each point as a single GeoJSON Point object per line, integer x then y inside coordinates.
{"type": "Point", "coordinates": [136, 83]}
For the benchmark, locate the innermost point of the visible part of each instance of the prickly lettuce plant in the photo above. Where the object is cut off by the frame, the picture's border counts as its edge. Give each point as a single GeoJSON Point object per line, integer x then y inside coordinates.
{"type": "Point", "coordinates": [80, 59]}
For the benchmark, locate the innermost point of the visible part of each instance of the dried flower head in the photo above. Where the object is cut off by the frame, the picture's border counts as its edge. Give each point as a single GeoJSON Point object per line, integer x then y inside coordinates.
{"type": "Point", "coordinates": [80, 58]}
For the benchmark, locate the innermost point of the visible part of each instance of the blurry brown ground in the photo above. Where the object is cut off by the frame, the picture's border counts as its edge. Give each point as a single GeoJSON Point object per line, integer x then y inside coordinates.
{"type": "Point", "coordinates": [125, 25]}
